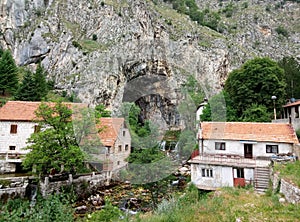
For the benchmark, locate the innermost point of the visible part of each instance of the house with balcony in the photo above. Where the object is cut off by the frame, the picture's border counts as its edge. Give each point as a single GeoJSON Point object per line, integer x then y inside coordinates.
{"type": "Point", "coordinates": [115, 136]}
{"type": "Point", "coordinates": [239, 153]}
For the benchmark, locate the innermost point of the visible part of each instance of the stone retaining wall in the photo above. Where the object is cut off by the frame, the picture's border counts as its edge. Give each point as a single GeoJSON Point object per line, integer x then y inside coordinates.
{"type": "Point", "coordinates": [16, 187]}
{"type": "Point", "coordinates": [290, 191]}
{"type": "Point", "coordinates": [80, 183]}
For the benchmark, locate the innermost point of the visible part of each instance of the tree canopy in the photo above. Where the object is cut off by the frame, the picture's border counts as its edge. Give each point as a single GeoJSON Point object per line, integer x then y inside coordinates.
{"type": "Point", "coordinates": [54, 146]}
{"type": "Point", "coordinates": [255, 83]}
{"type": "Point", "coordinates": [34, 87]}
{"type": "Point", "coordinates": [292, 75]}
{"type": "Point", "coordinates": [8, 72]}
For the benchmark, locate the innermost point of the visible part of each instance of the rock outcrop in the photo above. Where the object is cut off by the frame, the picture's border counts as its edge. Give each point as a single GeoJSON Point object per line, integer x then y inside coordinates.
{"type": "Point", "coordinates": [95, 49]}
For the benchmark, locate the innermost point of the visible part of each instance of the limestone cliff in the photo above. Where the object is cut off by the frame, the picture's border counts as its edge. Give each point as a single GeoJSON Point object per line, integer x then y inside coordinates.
{"type": "Point", "coordinates": [100, 50]}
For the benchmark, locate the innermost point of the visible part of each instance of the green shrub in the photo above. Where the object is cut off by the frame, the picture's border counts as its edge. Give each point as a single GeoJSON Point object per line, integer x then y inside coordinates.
{"type": "Point", "coordinates": [298, 134]}
{"type": "Point", "coordinates": [282, 31]}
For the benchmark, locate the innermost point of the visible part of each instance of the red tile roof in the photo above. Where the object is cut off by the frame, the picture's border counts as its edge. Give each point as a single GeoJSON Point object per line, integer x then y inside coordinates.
{"type": "Point", "coordinates": [110, 130]}
{"type": "Point", "coordinates": [25, 111]}
{"type": "Point", "coordinates": [263, 132]}
{"type": "Point", "coordinates": [292, 104]}
{"type": "Point", "coordinates": [18, 111]}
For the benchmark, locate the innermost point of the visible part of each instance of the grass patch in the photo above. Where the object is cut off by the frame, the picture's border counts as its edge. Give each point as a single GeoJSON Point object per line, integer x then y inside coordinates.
{"type": "Point", "coordinates": [91, 46]}
{"type": "Point", "coordinates": [228, 204]}
{"type": "Point", "coordinates": [289, 171]}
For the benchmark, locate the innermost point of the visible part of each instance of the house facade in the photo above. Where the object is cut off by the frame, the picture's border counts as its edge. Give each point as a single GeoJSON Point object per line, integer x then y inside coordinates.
{"type": "Point", "coordinates": [115, 136]}
{"type": "Point", "coordinates": [16, 126]}
{"type": "Point", "coordinates": [237, 154]}
{"type": "Point", "coordinates": [291, 114]}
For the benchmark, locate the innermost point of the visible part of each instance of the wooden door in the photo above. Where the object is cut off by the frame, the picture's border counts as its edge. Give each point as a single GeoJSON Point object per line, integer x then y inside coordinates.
{"type": "Point", "coordinates": [248, 151]}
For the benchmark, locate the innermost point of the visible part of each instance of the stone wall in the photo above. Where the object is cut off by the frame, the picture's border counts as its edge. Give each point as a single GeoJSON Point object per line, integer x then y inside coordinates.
{"type": "Point", "coordinates": [13, 187]}
{"type": "Point", "coordinates": [290, 191]}
{"type": "Point", "coordinates": [6, 167]}
{"type": "Point", "coordinates": [81, 184]}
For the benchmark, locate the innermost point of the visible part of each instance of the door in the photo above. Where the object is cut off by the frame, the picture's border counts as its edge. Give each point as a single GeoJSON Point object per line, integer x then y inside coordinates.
{"type": "Point", "coordinates": [238, 177]}
{"type": "Point", "coordinates": [248, 151]}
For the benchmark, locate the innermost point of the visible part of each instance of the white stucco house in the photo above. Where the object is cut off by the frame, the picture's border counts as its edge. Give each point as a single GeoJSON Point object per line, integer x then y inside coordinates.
{"type": "Point", "coordinates": [115, 136]}
{"type": "Point", "coordinates": [16, 126]}
{"type": "Point", "coordinates": [239, 153]}
{"type": "Point", "coordinates": [290, 114]}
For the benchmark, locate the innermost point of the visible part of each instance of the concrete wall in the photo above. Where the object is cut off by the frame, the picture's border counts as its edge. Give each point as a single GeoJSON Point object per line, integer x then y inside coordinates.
{"type": "Point", "coordinates": [24, 130]}
{"type": "Point", "coordinates": [237, 148]}
{"type": "Point", "coordinates": [222, 176]}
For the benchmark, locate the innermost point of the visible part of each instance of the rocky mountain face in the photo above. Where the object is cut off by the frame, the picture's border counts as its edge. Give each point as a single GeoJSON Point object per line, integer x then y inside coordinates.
{"type": "Point", "coordinates": [111, 51]}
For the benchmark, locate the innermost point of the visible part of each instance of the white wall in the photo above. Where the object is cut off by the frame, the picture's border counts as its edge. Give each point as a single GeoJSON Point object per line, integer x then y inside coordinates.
{"type": "Point", "coordinates": [120, 156]}
{"type": "Point", "coordinates": [222, 176]}
{"type": "Point", "coordinates": [237, 148]}
{"type": "Point", "coordinates": [24, 130]}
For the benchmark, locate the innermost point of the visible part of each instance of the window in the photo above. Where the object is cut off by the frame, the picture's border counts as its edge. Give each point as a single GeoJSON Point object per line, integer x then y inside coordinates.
{"type": "Point", "coordinates": [239, 173]}
{"type": "Point", "coordinates": [126, 147]}
{"type": "Point", "coordinates": [120, 148]}
{"type": "Point", "coordinates": [272, 148]}
{"type": "Point", "coordinates": [118, 163]}
{"type": "Point", "coordinates": [219, 146]}
{"type": "Point", "coordinates": [12, 147]}
{"type": "Point", "coordinates": [207, 173]}
{"type": "Point", "coordinates": [37, 128]}
{"type": "Point", "coordinates": [13, 129]}
{"type": "Point", "coordinates": [124, 132]}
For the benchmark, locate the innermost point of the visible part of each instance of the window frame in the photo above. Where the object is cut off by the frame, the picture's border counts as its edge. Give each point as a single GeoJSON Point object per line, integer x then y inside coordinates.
{"type": "Point", "coordinates": [12, 148]}
{"type": "Point", "coordinates": [207, 172]}
{"type": "Point", "coordinates": [269, 148]}
{"type": "Point", "coordinates": [220, 146]}
{"type": "Point", "coordinates": [13, 128]}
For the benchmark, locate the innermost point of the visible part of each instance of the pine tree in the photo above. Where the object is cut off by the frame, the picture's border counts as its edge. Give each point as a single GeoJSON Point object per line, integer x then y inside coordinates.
{"type": "Point", "coordinates": [8, 72]}
{"type": "Point", "coordinates": [27, 90]}
{"type": "Point", "coordinates": [40, 83]}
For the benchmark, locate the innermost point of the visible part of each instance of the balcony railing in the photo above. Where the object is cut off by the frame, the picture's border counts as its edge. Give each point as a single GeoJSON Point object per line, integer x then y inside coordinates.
{"type": "Point", "coordinates": [231, 160]}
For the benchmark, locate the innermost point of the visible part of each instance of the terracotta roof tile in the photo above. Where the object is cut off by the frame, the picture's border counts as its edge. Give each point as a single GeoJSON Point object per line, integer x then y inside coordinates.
{"type": "Point", "coordinates": [25, 111]}
{"type": "Point", "coordinates": [264, 132]}
{"type": "Point", "coordinates": [292, 104]}
{"type": "Point", "coordinates": [111, 128]}
{"type": "Point", "coordinates": [18, 111]}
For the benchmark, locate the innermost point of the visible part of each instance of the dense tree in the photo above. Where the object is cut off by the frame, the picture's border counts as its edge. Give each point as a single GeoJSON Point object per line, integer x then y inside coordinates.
{"type": "Point", "coordinates": [8, 72]}
{"type": "Point", "coordinates": [26, 90]}
{"type": "Point", "coordinates": [292, 75]}
{"type": "Point", "coordinates": [41, 85]}
{"type": "Point", "coordinates": [256, 113]}
{"type": "Point", "coordinates": [34, 87]}
{"type": "Point", "coordinates": [220, 108]}
{"type": "Point", "coordinates": [54, 146]}
{"type": "Point", "coordinates": [194, 90]}
{"type": "Point", "coordinates": [101, 111]}
{"type": "Point", "coordinates": [255, 83]}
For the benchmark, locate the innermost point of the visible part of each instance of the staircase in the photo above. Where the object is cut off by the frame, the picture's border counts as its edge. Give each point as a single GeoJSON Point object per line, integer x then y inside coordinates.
{"type": "Point", "coordinates": [262, 178]}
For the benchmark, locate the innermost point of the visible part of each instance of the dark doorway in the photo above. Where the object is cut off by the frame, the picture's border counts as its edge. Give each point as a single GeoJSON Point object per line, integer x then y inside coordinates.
{"type": "Point", "coordinates": [248, 151]}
